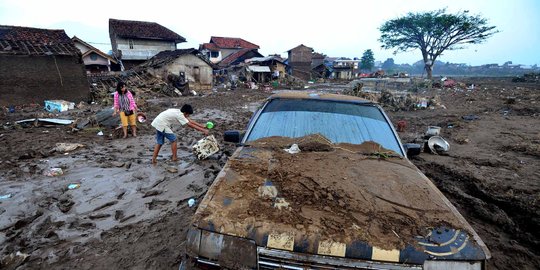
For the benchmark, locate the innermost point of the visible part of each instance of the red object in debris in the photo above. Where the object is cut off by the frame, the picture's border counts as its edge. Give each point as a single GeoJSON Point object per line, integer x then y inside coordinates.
{"type": "Point", "coordinates": [401, 125]}
{"type": "Point", "coordinates": [449, 83]}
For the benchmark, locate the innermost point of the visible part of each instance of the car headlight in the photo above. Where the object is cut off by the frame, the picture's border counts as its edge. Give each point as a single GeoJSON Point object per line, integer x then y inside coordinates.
{"type": "Point", "coordinates": [452, 265]}
{"type": "Point", "coordinates": [226, 251]}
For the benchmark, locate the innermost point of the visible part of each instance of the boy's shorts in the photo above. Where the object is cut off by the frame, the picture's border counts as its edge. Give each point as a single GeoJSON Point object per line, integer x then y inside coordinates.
{"type": "Point", "coordinates": [160, 137]}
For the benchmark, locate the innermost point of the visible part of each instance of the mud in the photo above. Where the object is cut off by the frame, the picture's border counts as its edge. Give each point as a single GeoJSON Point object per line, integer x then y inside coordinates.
{"type": "Point", "coordinates": [380, 200]}
{"type": "Point", "coordinates": [490, 174]}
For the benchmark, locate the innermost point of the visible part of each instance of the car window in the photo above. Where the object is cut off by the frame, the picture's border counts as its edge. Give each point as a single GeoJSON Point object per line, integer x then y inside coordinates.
{"type": "Point", "coordinates": [340, 122]}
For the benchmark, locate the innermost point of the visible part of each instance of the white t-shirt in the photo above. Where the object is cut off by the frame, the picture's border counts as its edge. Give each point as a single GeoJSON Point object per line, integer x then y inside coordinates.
{"type": "Point", "coordinates": [164, 121]}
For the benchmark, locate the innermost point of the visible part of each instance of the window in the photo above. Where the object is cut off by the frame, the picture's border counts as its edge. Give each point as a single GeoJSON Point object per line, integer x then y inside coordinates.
{"type": "Point", "coordinates": [130, 43]}
{"type": "Point", "coordinates": [214, 54]}
{"type": "Point", "coordinates": [340, 122]}
{"type": "Point", "coordinates": [93, 56]}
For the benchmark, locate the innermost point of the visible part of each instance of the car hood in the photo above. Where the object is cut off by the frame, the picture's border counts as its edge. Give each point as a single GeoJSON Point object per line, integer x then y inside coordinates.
{"type": "Point", "coordinates": [336, 201]}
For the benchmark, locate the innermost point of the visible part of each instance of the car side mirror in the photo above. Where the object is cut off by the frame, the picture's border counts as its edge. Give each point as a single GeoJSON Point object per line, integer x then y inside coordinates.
{"type": "Point", "coordinates": [412, 149]}
{"type": "Point", "coordinates": [232, 136]}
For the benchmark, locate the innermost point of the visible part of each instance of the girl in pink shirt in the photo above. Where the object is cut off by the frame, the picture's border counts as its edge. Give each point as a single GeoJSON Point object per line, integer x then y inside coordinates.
{"type": "Point", "coordinates": [124, 103]}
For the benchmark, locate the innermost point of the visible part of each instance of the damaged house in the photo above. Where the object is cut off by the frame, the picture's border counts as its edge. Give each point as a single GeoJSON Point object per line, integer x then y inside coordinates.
{"type": "Point", "coordinates": [267, 68]}
{"type": "Point", "coordinates": [187, 65]}
{"type": "Point", "coordinates": [299, 60]}
{"type": "Point", "coordinates": [95, 60]}
{"type": "Point", "coordinates": [219, 48]}
{"type": "Point", "coordinates": [40, 64]}
{"type": "Point", "coordinates": [134, 42]}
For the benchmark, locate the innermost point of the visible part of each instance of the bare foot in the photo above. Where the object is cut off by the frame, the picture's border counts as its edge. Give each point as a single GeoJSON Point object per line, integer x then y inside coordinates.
{"type": "Point", "coordinates": [154, 162]}
{"type": "Point", "coordinates": [125, 136]}
{"type": "Point", "coordinates": [174, 159]}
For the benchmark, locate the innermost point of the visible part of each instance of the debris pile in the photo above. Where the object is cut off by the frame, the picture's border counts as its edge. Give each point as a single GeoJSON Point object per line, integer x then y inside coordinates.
{"type": "Point", "coordinates": [528, 78]}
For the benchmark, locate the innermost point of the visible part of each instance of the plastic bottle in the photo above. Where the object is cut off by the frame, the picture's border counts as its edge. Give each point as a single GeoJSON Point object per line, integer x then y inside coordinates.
{"type": "Point", "coordinates": [191, 202]}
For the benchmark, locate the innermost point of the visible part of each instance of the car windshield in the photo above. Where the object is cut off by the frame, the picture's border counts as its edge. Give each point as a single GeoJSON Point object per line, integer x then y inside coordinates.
{"type": "Point", "coordinates": [340, 122]}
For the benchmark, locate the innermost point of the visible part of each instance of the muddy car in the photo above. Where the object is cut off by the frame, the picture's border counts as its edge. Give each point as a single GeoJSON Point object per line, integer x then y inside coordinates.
{"type": "Point", "coordinates": [322, 181]}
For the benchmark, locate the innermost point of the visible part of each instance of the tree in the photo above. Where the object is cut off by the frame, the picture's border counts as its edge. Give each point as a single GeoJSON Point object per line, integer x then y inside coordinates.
{"type": "Point", "coordinates": [388, 64]}
{"type": "Point", "coordinates": [433, 33]}
{"type": "Point", "coordinates": [367, 61]}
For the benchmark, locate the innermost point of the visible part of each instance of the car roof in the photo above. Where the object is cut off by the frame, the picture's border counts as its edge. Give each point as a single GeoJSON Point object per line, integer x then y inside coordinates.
{"type": "Point", "coordinates": [319, 96]}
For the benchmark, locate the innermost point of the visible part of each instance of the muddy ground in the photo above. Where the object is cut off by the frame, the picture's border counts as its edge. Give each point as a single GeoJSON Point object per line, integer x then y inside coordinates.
{"type": "Point", "coordinates": [128, 214]}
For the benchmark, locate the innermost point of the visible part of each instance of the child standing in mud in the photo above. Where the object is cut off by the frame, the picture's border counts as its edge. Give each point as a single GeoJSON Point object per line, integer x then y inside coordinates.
{"type": "Point", "coordinates": [163, 125]}
{"type": "Point", "coordinates": [124, 104]}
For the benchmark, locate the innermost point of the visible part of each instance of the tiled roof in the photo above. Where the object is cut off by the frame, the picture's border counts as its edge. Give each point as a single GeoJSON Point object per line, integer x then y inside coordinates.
{"type": "Point", "coordinates": [209, 46]}
{"type": "Point", "coordinates": [144, 30]}
{"type": "Point", "coordinates": [300, 46]}
{"type": "Point", "coordinates": [92, 49]}
{"type": "Point", "coordinates": [233, 57]}
{"type": "Point", "coordinates": [228, 43]}
{"type": "Point", "coordinates": [35, 41]}
{"type": "Point", "coordinates": [165, 57]}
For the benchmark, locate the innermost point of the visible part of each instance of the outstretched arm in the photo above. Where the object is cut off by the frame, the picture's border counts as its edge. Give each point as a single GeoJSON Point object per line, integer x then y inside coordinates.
{"type": "Point", "coordinates": [198, 127]}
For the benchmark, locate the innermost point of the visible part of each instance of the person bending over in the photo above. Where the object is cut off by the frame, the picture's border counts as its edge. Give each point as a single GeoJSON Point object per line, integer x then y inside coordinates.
{"type": "Point", "coordinates": [163, 124]}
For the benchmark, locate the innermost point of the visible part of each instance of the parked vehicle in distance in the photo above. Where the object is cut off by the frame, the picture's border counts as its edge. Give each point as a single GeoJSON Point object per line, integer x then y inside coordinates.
{"type": "Point", "coordinates": [322, 181]}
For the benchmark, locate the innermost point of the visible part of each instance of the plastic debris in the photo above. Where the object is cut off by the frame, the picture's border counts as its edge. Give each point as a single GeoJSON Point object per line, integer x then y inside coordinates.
{"type": "Point", "coordinates": [206, 147]}
{"type": "Point", "coordinates": [67, 147]}
{"type": "Point", "coordinates": [209, 125]}
{"type": "Point", "coordinates": [7, 196]}
{"type": "Point", "coordinates": [100, 133]}
{"type": "Point", "coordinates": [141, 117]}
{"type": "Point", "coordinates": [191, 202]}
{"type": "Point", "coordinates": [74, 186]}
{"type": "Point", "coordinates": [54, 172]}
{"type": "Point", "coordinates": [293, 150]}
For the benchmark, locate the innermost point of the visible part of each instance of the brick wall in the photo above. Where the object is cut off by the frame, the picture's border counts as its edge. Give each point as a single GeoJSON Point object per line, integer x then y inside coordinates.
{"type": "Point", "coordinates": [33, 79]}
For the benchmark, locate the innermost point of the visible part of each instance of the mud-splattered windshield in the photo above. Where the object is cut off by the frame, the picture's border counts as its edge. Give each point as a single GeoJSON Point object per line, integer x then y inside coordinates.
{"type": "Point", "coordinates": [337, 121]}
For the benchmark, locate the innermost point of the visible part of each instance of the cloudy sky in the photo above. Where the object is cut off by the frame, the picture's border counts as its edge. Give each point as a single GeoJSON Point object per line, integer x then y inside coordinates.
{"type": "Point", "coordinates": [335, 28]}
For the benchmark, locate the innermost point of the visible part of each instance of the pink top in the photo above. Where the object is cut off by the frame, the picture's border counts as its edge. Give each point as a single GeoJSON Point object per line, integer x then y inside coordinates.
{"type": "Point", "coordinates": [132, 105]}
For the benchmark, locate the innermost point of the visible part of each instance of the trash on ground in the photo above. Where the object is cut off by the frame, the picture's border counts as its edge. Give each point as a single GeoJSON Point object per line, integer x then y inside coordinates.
{"type": "Point", "coordinates": [58, 105]}
{"type": "Point", "coordinates": [438, 145]}
{"type": "Point", "coordinates": [74, 186]}
{"type": "Point", "coordinates": [54, 172]}
{"type": "Point", "coordinates": [209, 125]}
{"type": "Point", "coordinates": [401, 125]}
{"type": "Point", "coordinates": [100, 133]}
{"type": "Point", "coordinates": [141, 117]}
{"type": "Point", "coordinates": [191, 202]}
{"type": "Point", "coordinates": [67, 147]}
{"type": "Point", "coordinates": [470, 117]}
{"type": "Point", "coordinates": [6, 196]}
{"type": "Point", "coordinates": [44, 121]}
{"type": "Point", "coordinates": [172, 170]}
{"type": "Point", "coordinates": [206, 147]}
{"type": "Point", "coordinates": [293, 150]}
{"type": "Point", "coordinates": [433, 131]}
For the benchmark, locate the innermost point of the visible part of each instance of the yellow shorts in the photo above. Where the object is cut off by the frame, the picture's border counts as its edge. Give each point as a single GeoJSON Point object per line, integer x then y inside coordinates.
{"type": "Point", "coordinates": [132, 119]}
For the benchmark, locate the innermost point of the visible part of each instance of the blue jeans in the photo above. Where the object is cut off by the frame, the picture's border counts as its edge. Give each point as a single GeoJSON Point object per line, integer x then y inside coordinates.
{"type": "Point", "coordinates": [160, 137]}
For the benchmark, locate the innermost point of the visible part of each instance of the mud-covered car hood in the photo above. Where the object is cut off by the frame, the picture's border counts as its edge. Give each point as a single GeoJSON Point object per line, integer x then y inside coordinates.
{"type": "Point", "coordinates": [339, 203]}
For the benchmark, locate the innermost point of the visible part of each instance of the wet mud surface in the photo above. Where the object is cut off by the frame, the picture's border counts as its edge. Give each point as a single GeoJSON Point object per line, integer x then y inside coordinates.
{"type": "Point", "coordinates": [128, 214]}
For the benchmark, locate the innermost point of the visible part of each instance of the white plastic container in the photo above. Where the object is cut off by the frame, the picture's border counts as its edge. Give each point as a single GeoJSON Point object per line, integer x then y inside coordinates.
{"type": "Point", "coordinates": [206, 147]}
{"type": "Point", "coordinates": [58, 105]}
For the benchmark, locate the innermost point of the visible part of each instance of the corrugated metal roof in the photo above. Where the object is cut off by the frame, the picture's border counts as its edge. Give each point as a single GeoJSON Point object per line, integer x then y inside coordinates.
{"type": "Point", "coordinates": [259, 68]}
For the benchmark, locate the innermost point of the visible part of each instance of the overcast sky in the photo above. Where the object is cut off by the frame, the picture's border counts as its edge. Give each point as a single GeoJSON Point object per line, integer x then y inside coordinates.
{"type": "Point", "coordinates": [335, 28]}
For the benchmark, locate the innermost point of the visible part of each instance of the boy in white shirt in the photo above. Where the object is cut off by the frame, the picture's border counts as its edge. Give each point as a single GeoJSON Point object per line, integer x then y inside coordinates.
{"type": "Point", "coordinates": [163, 125]}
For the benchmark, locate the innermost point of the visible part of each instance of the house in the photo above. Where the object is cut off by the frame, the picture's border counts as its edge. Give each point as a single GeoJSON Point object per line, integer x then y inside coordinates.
{"type": "Point", "coordinates": [299, 60]}
{"type": "Point", "coordinates": [345, 69]}
{"type": "Point", "coordinates": [189, 64]}
{"type": "Point", "coordinates": [40, 64]}
{"type": "Point", "coordinates": [95, 60]}
{"type": "Point", "coordinates": [275, 64]}
{"type": "Point", "coordinates": [238, 57]}
{"type": "Point", "coordinates": [220, 48]}
{"type": "Point", "coordinates": [134, 42]}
